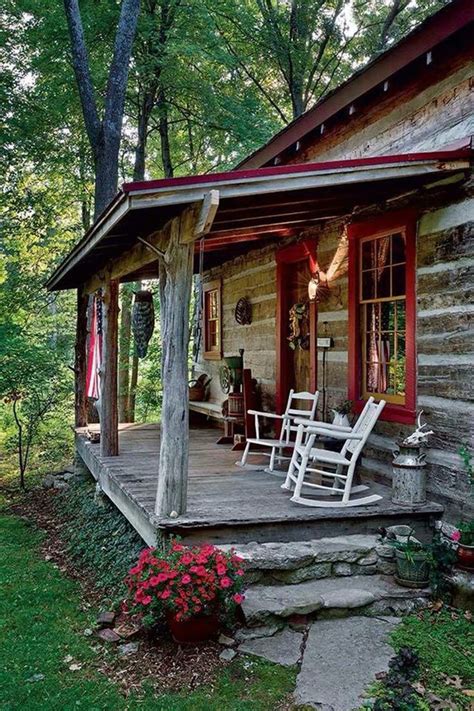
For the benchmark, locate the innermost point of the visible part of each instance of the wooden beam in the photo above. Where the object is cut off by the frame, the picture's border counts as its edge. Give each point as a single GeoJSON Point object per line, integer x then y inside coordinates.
{"type": "Point", "coordinates": [175, 293]}
{"type": "Point", "coordinates": [203, 223]}
{"type": "Point", "coordinates": [108, 376]}
{"type": "Point", "coordinates": [80, 360]}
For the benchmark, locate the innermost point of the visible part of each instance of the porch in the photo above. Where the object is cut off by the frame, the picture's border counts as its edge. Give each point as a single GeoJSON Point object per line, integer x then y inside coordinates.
{"type": "Point", "coordinates": [227, 504]}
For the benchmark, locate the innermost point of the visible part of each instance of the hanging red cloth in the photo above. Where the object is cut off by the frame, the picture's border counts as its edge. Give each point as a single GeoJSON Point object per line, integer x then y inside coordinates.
{"type": "Point", "coordinates": [94, 355]}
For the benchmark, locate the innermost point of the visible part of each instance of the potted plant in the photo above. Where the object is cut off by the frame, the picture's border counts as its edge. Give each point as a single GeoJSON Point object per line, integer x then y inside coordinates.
{"type": "Point", "coordinates": [464, 537]}
{"type": "Point", "coordinates": [413, 561]}
{"type": "Point", "coordinates": [341, 413]}
{"type": "Point", "coordinates": [188, 587]}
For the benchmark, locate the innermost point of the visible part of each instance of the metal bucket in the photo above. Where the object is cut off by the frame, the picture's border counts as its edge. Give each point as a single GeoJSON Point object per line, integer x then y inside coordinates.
{"type": "Point", "coordinates": [409, 475]}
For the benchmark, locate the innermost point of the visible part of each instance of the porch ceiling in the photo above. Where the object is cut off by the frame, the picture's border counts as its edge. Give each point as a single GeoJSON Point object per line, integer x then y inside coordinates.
{"type": "Point", "coordinates": [265, 204]}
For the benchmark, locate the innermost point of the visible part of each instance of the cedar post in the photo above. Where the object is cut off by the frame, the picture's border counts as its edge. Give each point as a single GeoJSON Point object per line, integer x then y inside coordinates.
{"type": "Point", "coordinates": [80, 360]}
{"type": "Point", "coordinates": [176, 269]}
{"type": "Point", "coordinates": [108, 379]}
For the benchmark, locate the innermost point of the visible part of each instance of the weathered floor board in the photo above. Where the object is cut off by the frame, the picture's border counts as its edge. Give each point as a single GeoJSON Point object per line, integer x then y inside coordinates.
{"type": "Point", "coordinates": [225, 502]}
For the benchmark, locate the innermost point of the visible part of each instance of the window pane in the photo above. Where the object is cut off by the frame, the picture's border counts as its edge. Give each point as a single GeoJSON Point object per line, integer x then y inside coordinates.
{"type": "Point", "coordinates": [398, 280]}
{"type": "Point", "coordinates": [368, 254]}
{"type": "Point", "coordinates": [383, 252]}
{"type": "Point", "coordinates": [398, 248]}
{"type": "Point", "coordinates": [372, 322]}
{"type": "Point", "coordinates": [368, 284]}
{"type": "Point", "coordinates": [401, 321]}
{"type": "Point", "coordinates": [388, 315]}
{"type": "Point", "coordinates": [383, 283]}
{"type": "Point", "coordinates": [401, 346]}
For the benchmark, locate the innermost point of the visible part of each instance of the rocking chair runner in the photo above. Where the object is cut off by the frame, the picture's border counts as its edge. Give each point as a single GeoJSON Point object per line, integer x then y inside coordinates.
{"type": "Point", "coordinates": [288, 427]}
{"type": "Point", "coordinates": [329, 464]}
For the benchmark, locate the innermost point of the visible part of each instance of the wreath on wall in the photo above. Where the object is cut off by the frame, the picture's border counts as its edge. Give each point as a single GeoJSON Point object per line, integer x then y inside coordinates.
{"type": "Point", "coordinates": [299, 326]}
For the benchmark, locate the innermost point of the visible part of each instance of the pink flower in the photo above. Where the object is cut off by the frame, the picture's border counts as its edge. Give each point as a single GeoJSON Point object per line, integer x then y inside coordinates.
{"type": "Point", "coordinates": [221, 569]}
{"type": "Point", "coordinates": [154, 581]}
{"type": "Point", "coordinates": [186, 579]}
{"type": "Point", "coordinates": [135, 570]}
{"type": "Point", "coordinates": [226, 582]}
{"type": "Point", "coordinates": [456, 536]}
{"type": "Point", "coordinates": [146, 600]}
{"type": "Point", "coordinates": [186, 559]}
{"type": "Point", "coordinates": [166, 593]}
{"type": "Point", "coordinates": [238, 598]}
{"type": "Point", "coordinates": [239, 572]}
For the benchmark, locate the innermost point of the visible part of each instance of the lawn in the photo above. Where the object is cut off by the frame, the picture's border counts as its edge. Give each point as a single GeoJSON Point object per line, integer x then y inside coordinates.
{"type": "Point", "coordinates": [42, 625]}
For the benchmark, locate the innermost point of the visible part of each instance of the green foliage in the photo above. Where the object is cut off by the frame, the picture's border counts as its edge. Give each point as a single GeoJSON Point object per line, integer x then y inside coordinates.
{"type": "Point", "coordinates": [42, 623]}
{"type": "Point", "coordinates": [99, 537]}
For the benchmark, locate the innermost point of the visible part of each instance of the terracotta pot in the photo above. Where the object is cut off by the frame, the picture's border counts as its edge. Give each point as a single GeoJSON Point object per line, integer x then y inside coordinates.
{"type": "Point", "coordinates": [466, 557]}
{"type": "Point", "coordinates": [196, 629]}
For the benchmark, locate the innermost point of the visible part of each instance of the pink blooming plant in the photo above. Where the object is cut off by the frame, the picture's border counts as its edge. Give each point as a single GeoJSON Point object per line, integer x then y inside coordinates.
{"type": "Point", "coordinates": [184, 582]}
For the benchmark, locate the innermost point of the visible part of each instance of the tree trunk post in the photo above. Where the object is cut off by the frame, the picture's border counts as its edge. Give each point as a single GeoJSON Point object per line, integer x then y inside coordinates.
{"type": "Point", "coordinates": [175, 292]}
{"type": "Point", "coordinates": [108, 396]}
{"type": "Point", "coordinates": [80, 360]}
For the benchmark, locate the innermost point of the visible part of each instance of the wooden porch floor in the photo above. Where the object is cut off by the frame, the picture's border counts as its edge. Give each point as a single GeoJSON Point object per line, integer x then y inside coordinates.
{"type": "Point", "coordinates": [226, 503]}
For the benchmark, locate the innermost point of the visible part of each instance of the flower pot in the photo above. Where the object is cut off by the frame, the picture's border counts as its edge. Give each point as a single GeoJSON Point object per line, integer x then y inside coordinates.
{"type": "Point", "coordinates": [465, 557]}
{"type": "Point", "coordinates": [412, 572]}
{"type": "Point", "coordinates": [193, 630]}
{"type": "Point", "coordinates": [340, 419]}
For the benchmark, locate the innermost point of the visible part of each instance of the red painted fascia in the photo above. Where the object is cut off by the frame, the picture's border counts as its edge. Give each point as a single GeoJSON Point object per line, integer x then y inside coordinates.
{"type": "Point", "coordinates": [464, 151]}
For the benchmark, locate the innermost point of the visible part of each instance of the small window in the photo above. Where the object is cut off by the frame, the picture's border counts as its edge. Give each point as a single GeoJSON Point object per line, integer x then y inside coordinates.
{"type": "Point", "coordinates": [212, 320]}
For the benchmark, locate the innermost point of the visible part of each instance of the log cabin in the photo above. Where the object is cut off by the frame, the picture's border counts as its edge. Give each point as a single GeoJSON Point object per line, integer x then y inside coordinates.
{"type": "Point", "coordinates": [368, 196]}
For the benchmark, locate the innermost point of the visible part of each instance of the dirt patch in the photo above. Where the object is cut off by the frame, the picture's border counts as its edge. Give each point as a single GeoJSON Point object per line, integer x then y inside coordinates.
{"type": "Point", "coordinates": [159, 662]}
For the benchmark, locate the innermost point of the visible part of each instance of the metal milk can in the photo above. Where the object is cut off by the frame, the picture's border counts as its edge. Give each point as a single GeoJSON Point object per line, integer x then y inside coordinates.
{"type": "Point", "coordinates": [409, 474]}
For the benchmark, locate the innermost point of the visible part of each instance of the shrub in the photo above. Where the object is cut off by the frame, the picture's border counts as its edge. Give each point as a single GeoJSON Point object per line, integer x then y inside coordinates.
{"type": "Point", "coordinates": [185, 582]}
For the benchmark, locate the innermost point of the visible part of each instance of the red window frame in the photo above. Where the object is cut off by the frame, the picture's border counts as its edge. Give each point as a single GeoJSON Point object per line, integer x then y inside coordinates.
{"type": "Point", "coordinates": [405, 221]}
{"type": "Point", "coordinates": [209, 352]}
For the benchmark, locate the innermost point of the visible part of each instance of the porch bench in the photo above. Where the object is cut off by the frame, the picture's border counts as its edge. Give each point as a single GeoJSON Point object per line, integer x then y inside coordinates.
{"type": "Point", "coordinates": [210, 409]}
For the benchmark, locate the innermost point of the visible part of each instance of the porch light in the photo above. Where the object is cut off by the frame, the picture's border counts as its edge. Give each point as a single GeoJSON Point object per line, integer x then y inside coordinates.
{"type": "Point", "coordinates": [313, 285]}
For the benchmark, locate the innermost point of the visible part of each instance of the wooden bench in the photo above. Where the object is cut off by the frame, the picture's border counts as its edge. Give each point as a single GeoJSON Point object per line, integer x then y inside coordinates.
{"type": "Point", "coordinates": [210, 409]}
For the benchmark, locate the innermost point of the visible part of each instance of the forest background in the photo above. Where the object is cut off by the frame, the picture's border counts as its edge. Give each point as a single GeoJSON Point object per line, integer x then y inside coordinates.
{"type": "Point", "coordinates": [208, 82]}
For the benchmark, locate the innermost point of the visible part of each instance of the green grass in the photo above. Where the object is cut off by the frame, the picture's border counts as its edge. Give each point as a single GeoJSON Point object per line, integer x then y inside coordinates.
{"type": "Point", "coordinates": [444, 642]}
{"type": "Point", "coordinates": [41, 622]}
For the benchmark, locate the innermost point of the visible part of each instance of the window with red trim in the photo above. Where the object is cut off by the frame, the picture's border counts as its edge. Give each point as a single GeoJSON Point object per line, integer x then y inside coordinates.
{"type": "Point", "coordinates": [382, 359]}
{"type": "Point", "coordinates": [212, 320]}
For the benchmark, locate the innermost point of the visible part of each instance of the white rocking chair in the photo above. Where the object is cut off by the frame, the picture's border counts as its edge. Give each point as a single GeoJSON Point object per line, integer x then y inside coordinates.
{"type": "Point", "coordinates": [288, 427]}
{"type": "Point", "coordinates": [331, 465]}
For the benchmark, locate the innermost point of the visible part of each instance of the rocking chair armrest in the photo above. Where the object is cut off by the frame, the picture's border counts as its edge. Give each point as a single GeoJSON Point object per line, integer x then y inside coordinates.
{"type": "Point", "coordinates": [333, 434]}
{"type": "Point", "coordinates": [324, 425]}
{"type": "Point", "coordinates": [267, 414]}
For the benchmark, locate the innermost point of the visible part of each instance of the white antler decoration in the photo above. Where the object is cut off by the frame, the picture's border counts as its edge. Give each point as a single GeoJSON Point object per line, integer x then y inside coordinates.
{"type": "Point", "coordinates": [419, 436]}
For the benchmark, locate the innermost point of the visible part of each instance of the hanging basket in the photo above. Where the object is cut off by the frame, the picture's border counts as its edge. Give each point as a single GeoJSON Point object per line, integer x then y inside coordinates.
{"type": "Point", "coordinates": [143, 321]}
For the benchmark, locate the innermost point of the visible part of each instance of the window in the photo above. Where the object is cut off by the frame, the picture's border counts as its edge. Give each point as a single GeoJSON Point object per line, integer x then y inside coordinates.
{"type": "Point", "coordinates": [382, 314]}
{"type": "Point", "coordinates": [212, 320]}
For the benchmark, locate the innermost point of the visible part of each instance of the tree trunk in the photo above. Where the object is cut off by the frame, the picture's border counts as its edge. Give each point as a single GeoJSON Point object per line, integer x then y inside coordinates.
{"type": "Point", "coordinates": [145, 110]}
{"type": "Point", "coordinates": [175, 292]}
{"type": "Point", "coordinates": [164, 135]}
{"type": "Point", "coordinates": [80, 361]}
{"type": "Point", "coordinates": [108, 391]}
{"type": "Point", "coordinates": [124, 353]}
{"type": "Point", "coordinates": [133, 388]}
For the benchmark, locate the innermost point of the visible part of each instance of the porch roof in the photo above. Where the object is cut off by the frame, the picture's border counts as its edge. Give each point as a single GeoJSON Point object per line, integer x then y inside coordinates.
{"type": "Point", "coordinates": [258, 204]}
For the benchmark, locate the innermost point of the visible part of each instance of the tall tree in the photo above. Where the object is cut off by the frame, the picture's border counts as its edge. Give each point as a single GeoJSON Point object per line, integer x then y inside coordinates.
{"type": "Point", "coordinates": [104, 133]}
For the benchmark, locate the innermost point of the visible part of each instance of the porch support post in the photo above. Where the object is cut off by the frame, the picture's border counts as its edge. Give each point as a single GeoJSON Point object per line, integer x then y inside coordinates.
{"type": "Point", "coordinates": [176, 269]}
{"type": "Point", "coordinates": [108, 389]}
{"type": "Point", "coordinates": [80, 360]}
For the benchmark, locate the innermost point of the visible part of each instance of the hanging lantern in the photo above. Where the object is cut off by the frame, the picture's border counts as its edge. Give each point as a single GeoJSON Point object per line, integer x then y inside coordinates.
{"type": "Point", "coordinates": [143, 321]}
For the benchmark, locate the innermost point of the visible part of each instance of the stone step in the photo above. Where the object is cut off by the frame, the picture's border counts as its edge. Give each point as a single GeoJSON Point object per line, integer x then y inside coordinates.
{"type": "Point", "coordinates": [330, 597]}
{"type": "Point", "coordinates": [298, 561]}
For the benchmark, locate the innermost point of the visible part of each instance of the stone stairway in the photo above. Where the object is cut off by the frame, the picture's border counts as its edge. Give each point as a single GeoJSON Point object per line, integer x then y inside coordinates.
{"type": "Point", "coordinates": [324, 605]}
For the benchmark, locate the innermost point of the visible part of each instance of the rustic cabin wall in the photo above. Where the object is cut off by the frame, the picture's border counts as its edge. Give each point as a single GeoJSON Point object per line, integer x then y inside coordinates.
{"type": "Point", "coordinates": [252, 276]}
{"type": "Point", "coordinates": [434, 110]}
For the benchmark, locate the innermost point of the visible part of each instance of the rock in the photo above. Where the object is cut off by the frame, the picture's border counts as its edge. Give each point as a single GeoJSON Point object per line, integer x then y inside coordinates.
{"type": "Point", "coordinates": [226, 641]}
{"type": "Point", "coordinates": [125, 650]}
{"type": "Point", "coordinates": [227, 655]}
{"type": "Point", "coordinates": [342, 569]}
{"type": "Point", "coordinates": [341, 660]}
{"type": "Point", "coordinates": [69, 468]}
{"type": "Point", "coordinates": [298, 622]}
{"type": "Point", "coordinates": [88, 632]}
{"type": "Point", "coordinates": [369, 559]}
{"type": "Point", "coordinates": [309, 572]}
{"type": "Point", "coordinates": [127, 630]}
{"type": "Point", "coordinates": [108, 635]}
{"type": "Point", "coordinates": [386, 566]}
{"type": "Point", "coordinates": [59, 484]}
{"type": "Point", "coordinates": [106, 619]}
{"type": "Point", "coordinates": [35, 677]}
{"type": "Point", "coordinates": [462, 589]}
{"type": "Point", "coordinates": [48, 481]}
{"type": "Point", "coordinates": [67, 476]}
{"type": "Point", "coordinates": [247, 633]}
{"type": "Point", "coordinates": [283, 648]}
{"type": "Point", "coordinates": [364, 569]}
{"type": "Point", "coordinates": [262, 602]}
{"type": "Point", "coordinates": [385, 550]}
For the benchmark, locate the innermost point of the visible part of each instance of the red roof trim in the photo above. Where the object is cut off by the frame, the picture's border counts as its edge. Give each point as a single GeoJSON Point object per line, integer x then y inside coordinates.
{"type": "Point", "coordinates": [464, 151]}
{"type": "Point", "coordinates": [436, 28]}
